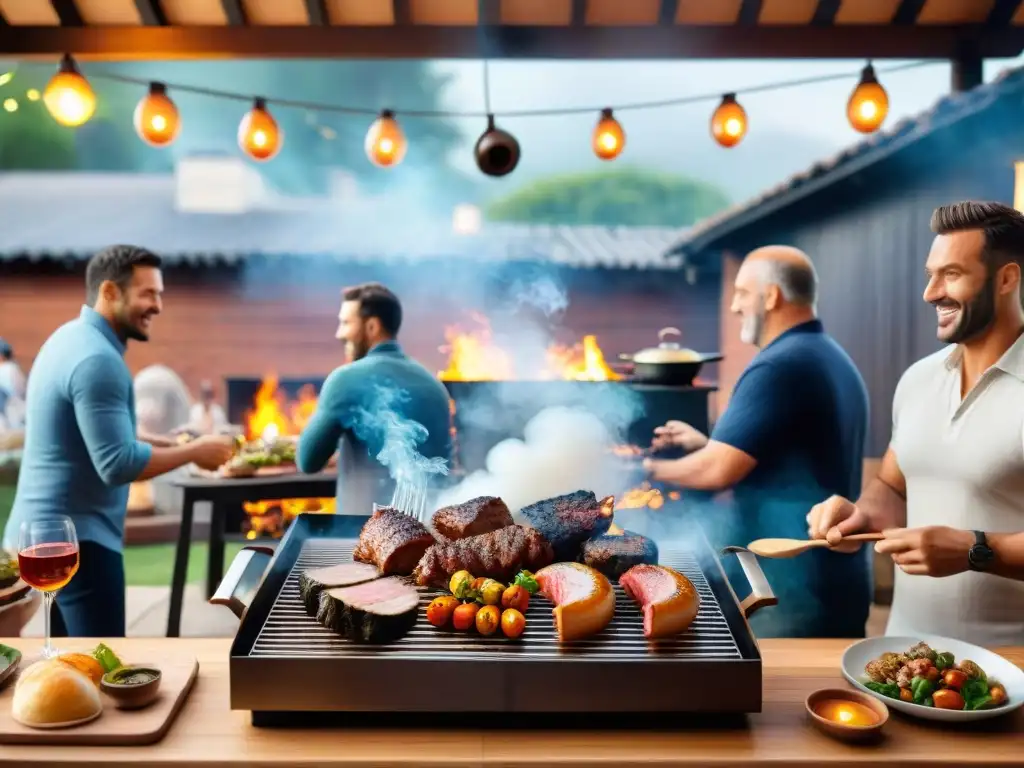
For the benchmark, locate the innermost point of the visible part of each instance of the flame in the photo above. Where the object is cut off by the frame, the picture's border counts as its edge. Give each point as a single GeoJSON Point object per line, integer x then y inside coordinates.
{"type": "Point", "coordinates": [644, 496]}
{"type": "Point", "coordinates": [473, 355]}
{"type": "Point", "coordinates": [273, 416]}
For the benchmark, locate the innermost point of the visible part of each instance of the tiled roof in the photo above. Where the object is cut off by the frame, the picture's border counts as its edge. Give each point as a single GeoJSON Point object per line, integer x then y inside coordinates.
{"type": "Point", "coordinates": [945, 113]}
{"type": "Point", "coordinates": [72, 215]}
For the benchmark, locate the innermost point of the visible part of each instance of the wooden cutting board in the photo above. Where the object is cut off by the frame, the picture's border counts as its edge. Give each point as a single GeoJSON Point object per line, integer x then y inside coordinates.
{"type": "Point", "coordinates": [115, 727]}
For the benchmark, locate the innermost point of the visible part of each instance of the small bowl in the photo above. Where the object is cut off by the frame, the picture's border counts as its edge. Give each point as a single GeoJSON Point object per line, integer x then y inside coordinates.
{"type": "Point", "coordinates": [842, 731]}
{"type": "Point", "coordinates": [11, 657]}
{"type": "Point", "coordinates": [132, 695]}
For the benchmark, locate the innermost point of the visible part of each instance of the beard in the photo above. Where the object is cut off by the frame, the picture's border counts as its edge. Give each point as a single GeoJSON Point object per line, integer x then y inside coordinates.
{"type": "Point", "coordinates": [976, 316]}
{"type": "Point", "coordinates": [753, 326]}
{"type": "Point", "coordinates": [356, 349]}
{"type": "Point", "coordinates": [131, 328]}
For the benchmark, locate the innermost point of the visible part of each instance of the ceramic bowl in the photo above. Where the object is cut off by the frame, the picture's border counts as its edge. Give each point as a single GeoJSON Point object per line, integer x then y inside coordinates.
{"type": "Point", "coordinates": [132, 696]}
{"type": "Point", "coordinates": [842, 731]}
{"type": "Point", "coordinates": [11, 658]}
{"type": "Point", "coordinates": [1008, 674]}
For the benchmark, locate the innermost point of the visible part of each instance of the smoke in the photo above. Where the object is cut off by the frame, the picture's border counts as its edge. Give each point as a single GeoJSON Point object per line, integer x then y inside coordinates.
{"type": "Point", "coordinates": [540, 290]}
{"type": "Point", "coordinates": [382, 424]}
{"type": "Point", "coordinates": [563, 450]}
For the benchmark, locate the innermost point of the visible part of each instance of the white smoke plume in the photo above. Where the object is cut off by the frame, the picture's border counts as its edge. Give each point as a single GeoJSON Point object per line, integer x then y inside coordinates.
{"type": "Point", "coordinates": [563, 450]}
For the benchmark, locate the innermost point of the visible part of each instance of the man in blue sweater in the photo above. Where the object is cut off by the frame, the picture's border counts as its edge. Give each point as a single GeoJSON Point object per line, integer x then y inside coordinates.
{"type": "Point", "coordinates": [81, 447]}
{"type": "Point", "coordinates": [385, 412]}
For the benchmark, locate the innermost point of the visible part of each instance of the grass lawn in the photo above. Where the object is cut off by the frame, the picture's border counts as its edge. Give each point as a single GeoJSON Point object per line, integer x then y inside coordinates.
{"type": "Point", "coordinates": [144, 566]}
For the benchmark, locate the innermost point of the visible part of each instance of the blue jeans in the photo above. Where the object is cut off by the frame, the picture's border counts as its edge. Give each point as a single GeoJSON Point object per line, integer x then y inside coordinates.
{"type": "Point", "coordinates": [92, 604]}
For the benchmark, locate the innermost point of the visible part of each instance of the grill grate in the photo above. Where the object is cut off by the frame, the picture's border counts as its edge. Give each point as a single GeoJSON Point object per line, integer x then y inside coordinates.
{"type": "Point", "coordinates": [289, 632]}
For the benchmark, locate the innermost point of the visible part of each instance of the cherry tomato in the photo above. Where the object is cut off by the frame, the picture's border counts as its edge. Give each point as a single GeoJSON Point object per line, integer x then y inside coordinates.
{"type": "Point", "coordinates": [440, 610]}
{"type": "Point", "coordinates": [487, 620]}
{"type": "Point", "coordinates": [512, 623]}
{"type": "Point", "coordinates": [947, 698]}
{"type": "Point", "coordinates": [515, 597]}
{"type": "Point", "coordinates": [464, 616]}
{"type": "Point", "coordinates": [998, 694]}
{"type": "Point", "coordinates": [954, 678]}
{"type": "Point", "coordinates": [906, 694]}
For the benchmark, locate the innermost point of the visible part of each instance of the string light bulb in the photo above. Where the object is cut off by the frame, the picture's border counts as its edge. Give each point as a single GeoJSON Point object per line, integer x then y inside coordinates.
{"type": "Point", "coordinates": [156, 117]}
{"type": "Point", "coordinates": [258, 134]}
{"type": "Point", "coordinates": [609, 139]}
{"type": "Point", "coordinates": [869, 103]}
{"type": "Point", "coordinates": [68, 96]}
{"type": "Point", "coordinates": [729, 122]}
{"type": "Point", "coordinates": [385, 142]}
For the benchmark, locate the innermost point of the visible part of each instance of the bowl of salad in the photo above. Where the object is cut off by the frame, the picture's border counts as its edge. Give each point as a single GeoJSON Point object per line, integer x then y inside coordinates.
{"type": "Point", "coordinates": [935, 678]}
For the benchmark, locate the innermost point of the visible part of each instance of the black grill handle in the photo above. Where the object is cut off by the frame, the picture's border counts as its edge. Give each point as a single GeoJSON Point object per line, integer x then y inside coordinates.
{"type": "Point", "coordinates": [243, 578]}
{"type": "Point", "coordinates": [760, 590]}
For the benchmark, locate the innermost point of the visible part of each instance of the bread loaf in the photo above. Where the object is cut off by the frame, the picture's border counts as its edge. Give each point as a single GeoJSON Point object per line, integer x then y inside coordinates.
{"type": "Point", "coordinates": [51, 692]}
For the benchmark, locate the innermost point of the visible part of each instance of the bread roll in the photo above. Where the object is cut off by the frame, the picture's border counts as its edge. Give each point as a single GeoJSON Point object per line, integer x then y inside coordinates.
{"type": "Point", "coordinates": [51, 692]}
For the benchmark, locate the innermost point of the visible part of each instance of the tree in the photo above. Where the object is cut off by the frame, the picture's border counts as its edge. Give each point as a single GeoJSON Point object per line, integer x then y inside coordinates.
{"type": "Point", "coordinates": [615, 197]}
{"type": "Point", "coordinates": [30, 140]}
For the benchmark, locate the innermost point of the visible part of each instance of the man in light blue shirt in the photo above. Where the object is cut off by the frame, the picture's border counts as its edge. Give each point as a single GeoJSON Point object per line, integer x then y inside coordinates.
{"type": "Point", "coordinates": [81, 447]}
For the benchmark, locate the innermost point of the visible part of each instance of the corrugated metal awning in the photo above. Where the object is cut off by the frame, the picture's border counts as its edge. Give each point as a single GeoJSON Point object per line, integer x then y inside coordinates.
{"type": "Point", "coordinates": [605, 29]}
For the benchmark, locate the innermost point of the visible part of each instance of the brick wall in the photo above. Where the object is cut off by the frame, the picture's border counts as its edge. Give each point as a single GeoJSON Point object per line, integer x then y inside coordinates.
{"type": "Point", "coordinates": [215, 325]}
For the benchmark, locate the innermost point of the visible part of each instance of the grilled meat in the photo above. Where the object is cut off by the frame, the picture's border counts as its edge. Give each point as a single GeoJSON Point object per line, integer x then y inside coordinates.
{"type": "Point", "coordinates": [668, 600]}
{"type": "Point", "coordinates": [567, 521]}
{"type": "Point", "coordinates": [614, 555]}
{"type": "Point", "coordinates": [499, 555]}
{"type": "Point", "coordinates": [315, 581]}
{"type": "Point", "coordinates": [583, 597]}
{"type": "Point", "coordinates": [392, 541]}
{"type": "Point", "coordinates": [379, 611]}
{"type": "Point", "coordinates": [472, 518]}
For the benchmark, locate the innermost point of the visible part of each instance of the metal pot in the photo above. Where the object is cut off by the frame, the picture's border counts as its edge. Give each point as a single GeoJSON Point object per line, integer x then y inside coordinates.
{"type": "Point", "coordinates": [668, 363]}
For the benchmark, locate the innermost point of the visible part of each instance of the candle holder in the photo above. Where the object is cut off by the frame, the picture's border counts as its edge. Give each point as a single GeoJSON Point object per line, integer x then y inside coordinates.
{"type": "Point", "coordinates": [847, 715]}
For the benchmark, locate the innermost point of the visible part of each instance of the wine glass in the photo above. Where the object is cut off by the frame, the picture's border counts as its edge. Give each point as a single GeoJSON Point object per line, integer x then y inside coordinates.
{"type": "Point", "coordinates": [48, 559]}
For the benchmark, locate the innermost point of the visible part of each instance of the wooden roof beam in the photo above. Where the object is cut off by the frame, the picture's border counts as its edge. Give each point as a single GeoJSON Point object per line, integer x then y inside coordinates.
{"type": "Point", "coordinates": [514, 42]}
{"type": "Point", "coordinates": [578, 15]}
{"type": "Point", "coordinates": [316, 12]}
{"type": "Point", "coordinates": [1002, 12]}
{"type": "Point", "coordinates": [750, 12]}
{"type": "Point", "coordinates": [667, 11]}
{"type": "Point", "coordinates": [825, 13]}
{"type": "Point", "coordinates": [151, 12]}
{"type": "Point", "coordinates": [908, 11]}
{"type": "Point", "coordinates": [67, 12]}
{"type": "Point", "coordinates": [235, 12]}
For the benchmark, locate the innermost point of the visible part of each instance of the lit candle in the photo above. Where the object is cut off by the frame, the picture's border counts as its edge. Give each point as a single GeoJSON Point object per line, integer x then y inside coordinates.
{"type": "Point", "coordinates": [848, 713]}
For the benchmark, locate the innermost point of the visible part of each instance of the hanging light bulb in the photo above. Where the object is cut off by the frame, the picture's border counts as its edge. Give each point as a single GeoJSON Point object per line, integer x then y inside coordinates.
{"type": "Point", "coordinates": [68, 96]}
{"type": "Point", "coordinates": [609, 139]}
{"type": "Point", "coordinates": [258, 133]}
{"type": "Point", "coordinates": [156, 117]}
{"type": "Point", "coordinates": [385, 142]}
{"type": "Point", "coordinates": [496, 151]}
{"type": "Point", "coordinates": [869, 103]}
{"type": "Point", "coordinates": [729, 122]}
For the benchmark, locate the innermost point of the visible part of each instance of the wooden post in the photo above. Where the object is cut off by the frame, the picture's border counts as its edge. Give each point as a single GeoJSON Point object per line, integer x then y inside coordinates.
{"type": "Point", "coordinates": [966, 71]}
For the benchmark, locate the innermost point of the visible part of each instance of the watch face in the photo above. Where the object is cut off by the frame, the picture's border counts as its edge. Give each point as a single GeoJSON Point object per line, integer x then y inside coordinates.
{"type": "Point", "coordinates": [980, 554]}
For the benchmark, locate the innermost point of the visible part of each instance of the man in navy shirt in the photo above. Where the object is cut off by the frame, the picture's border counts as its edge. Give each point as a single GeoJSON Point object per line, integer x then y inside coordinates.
{"type": "Point", "coordinates": [792, 435]}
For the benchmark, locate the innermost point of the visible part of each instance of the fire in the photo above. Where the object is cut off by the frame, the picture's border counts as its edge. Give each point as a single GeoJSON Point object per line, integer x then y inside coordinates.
{"type": "Point", "coordinates": [271, 416]}
{"type": "Point", "coordinates": [475, 356]}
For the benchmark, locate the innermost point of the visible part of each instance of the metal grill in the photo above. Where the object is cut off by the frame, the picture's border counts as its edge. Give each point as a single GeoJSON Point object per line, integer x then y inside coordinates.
{"type": "Point", "coordinates": [289, 632]}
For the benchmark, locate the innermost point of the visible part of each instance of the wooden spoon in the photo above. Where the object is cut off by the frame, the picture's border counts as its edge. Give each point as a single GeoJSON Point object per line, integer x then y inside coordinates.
{"type": "Point", "coordinates": [792, 547]}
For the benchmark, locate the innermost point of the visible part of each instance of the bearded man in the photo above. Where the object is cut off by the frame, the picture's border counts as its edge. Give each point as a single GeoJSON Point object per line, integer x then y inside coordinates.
{"type": "Point", "coordinates": [792, 434]}
{"type": "Point", "coordinates": [949, 496]}
{"type": "Point", "coordinates": [82, 445]}
{"type": "Point", "coordinates": [381, 408]}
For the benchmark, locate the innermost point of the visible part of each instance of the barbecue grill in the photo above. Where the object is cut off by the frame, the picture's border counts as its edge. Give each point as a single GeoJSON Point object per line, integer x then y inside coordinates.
{"type": "Point", "coordinates": [288, 670]}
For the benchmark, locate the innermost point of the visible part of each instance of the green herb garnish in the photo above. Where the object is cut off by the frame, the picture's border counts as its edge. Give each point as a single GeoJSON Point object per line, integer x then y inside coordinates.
{"type": "Point", "coordinates": [886, 689]}
{"type": "Point", "coordinates": [107, 658]}
{"type": "Point", "coordinates": [922, 688]}
{"type": "Point", "coordinates": [526, 580]}
{"type": "Point", "coordinates": [944, 661]}
{"type": "Point", "coordinates": [975, 693]}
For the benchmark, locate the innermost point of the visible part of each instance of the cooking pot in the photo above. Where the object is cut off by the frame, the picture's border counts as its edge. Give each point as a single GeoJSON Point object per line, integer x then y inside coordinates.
{"type": "Point", "coordinates": [668, 363]}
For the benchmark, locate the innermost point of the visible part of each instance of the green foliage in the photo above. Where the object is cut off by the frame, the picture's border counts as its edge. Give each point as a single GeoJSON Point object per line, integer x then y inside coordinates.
{"type": "Point", "coordinates": [622, 196]}
{"type": "Point", "coordinates": [30, 140]}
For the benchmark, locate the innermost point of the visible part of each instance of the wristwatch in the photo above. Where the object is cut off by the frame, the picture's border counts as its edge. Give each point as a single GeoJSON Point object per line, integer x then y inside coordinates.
{"type": "Point", "coordinates": [980, 556]}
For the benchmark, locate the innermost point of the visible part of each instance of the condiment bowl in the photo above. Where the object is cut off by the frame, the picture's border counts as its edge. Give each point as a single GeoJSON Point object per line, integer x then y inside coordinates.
{"type": "Point", "coordinates": [10, 659]}
{"type": "Point", "coordinates": [131, 695]}
{"type": "Point", "coordinates": [837, 729]}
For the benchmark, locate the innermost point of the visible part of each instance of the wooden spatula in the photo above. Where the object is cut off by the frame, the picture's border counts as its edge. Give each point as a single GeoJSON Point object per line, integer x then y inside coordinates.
{"type": "Point", "coordinates": [793, 547]}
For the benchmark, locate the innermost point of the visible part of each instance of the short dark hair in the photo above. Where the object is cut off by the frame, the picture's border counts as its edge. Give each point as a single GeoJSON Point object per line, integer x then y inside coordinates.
{"type": "Point", "coordinates": [6, 350]}
{"type": "Point", "coordinates": [375, 300]}
{"type": "Point", "coordinates": [116, 263]}
{"type": "Point", "coordinates": [1002, 226]}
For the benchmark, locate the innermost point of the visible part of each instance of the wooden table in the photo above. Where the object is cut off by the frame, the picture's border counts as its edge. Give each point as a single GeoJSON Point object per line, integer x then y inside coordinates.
{"type": "Point", "coordinates": [208, 733]}
{"type": "Point", "coordinates": [221, 493]}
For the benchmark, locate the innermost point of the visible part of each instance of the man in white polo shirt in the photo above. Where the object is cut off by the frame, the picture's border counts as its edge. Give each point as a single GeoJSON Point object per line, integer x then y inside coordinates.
{"type": "Point", "coordinates": [949, 496]}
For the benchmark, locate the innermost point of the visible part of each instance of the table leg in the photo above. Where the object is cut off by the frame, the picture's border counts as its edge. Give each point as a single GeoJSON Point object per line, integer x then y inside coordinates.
{"type": "Point", "coordinates": [215, 555]}
{"type": "Point", "coordinates": [180, 565]}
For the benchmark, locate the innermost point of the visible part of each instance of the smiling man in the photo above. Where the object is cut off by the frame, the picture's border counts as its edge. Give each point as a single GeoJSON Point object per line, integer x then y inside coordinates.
{"type": "Point", "coordinates": [792, 435]}
{"type": "Point", "coordinates": [950, 493]}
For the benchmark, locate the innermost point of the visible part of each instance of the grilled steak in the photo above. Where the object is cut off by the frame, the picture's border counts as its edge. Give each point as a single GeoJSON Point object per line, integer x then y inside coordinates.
{"type": "Point", "coordinates": [472, 518]}
{"type": "Point", "coordinates": [614, 555]}
{"type": "Point", "coordinates": [315, 581]}
{"type": "Point", "coordinates": [392, 541]}
{"type": "Point", "coordinates": [567, 521]}
{"type": "Point", "coordinates": [379, 611]}
{"type": "Point", "coordinates": [499, 555]}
